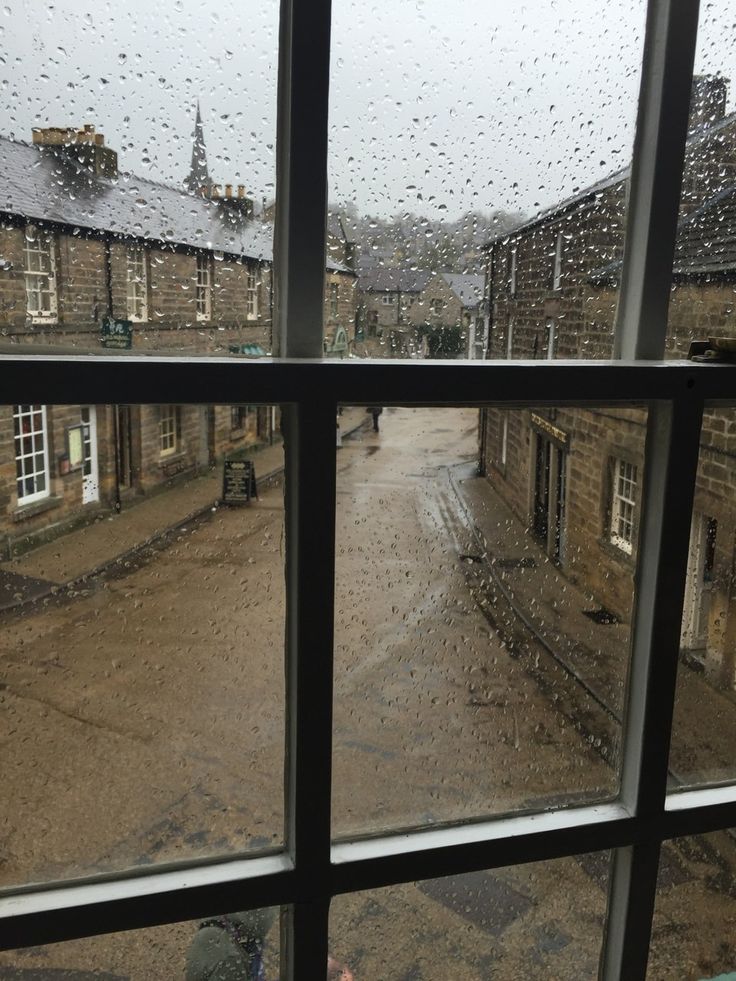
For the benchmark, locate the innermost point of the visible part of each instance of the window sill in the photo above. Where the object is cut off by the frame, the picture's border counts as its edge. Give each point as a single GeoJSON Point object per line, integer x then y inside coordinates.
{"type": "Point", "coordinates": [25, 511]}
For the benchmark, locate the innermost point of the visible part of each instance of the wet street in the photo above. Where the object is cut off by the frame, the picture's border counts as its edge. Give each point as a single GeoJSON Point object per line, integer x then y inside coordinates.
{"type": "Point", "coordinates": [142, 721]}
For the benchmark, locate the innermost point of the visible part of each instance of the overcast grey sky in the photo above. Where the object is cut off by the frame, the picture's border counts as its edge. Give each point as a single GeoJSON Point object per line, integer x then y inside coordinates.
{"type": "Point", "coordinates": [436, 108]}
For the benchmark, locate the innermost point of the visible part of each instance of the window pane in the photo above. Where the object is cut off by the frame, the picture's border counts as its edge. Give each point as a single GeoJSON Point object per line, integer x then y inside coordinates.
{"type": "Point", "coordinates": [450, 160]}
{"type": "Point", "coordinates": [482, 622]}
{"type": "Point", "coordinates": [165, 153]}
{"type": "Point", "coordinates": [692, 931]}
{"type": "Point", "coordinates": [700, 301]}
{"type": "Point", "coordinates": [704, 726]}
{"type": "Point", "coordinates": [223, 948]}
{"type": "Point", "coordinates": [143, 637]}
{"type": "Point", "coordinates": [537, 920]}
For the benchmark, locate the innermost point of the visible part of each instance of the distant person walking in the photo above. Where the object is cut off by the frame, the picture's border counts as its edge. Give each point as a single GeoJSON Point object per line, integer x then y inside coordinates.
{"type": "Point", "coordinates": [375, 411]}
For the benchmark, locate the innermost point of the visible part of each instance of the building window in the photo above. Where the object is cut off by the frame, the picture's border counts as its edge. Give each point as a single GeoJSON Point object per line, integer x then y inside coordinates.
{"type": "Point", "coordinates": [204, 287]}
{"type": "Point", "coordinates": [334, 297]}
{"type": "Point", "coordinates": [512, 272]}
{"type": "Point", "coordinates": [169, 428]}
{"type": "Point", "coordinates": [238, 416]}
{"type": "Point", "coordinates": [136, 284]}
{"type": "Point", "coordinates": [510, 338]}
{"type": "Point", "coordinates": [436, 307]}
{"type": "Point", "coordinates": [557, 265]}
{"type": "Point", "coordinates": [40, 257]}
{"type": "Point", "coordinates": [551, 339]}
{"type": "Point", "coordinates": [251, 300]}
{"type": "Point", "coordinates": [623, 504]}
{"type": "Point", "coordinates": [388, 298]}
{"type": "Point", "coordinates": [31, 453]}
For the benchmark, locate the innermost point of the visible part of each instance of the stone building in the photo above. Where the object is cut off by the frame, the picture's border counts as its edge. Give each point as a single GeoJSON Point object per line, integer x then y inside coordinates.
{"type": "Point", "coordinates": [387, 296]}
{"type": "Point", "coordinates": [342, 334]}
{"type": "Point", "coordinates": [452, 301]}
{"type": "Point", "coordinates": [575, 475]}
{"type": "Point", "coordinates": [92, 258]}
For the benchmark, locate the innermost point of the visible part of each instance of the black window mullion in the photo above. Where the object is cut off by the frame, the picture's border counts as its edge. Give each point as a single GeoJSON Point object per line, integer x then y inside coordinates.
{"type": "Point", "coordinates": [310, 563]}
{"type": "Point", "coordinates": [672, 447]}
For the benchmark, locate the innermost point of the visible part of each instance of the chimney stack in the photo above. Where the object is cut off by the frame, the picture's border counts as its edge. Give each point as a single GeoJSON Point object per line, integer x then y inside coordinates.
{"type": "Point", "coordinates": [83, 146]}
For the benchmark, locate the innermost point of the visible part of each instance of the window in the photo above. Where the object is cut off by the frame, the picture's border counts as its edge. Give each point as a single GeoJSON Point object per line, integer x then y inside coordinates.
{"type": "Point", "coordinates": [251, 301]}
{"type": "Point", "coordinates": [40, 280]}
{"type": "Point", "coordinates": [31, 453]}
{"type": "Point", "coordinates": [204, 287]}
{"type": "Point", "coordinates": [334, 295]}
{"type": "Point", "coordinates": [238, 416]}
{"type": "Point", "coordinates": [310, 868]}
{"type": "Point", "coordinates": [136, 284]}
{"type": "Point", "coordinates": [169, 428]}
{"type": "Point", "coordinates": [512, 271]}
{"type": "Point", "coordinates": [623, 505]}
{"type": "Point", "coordinates": [436, 306]}
{"type": "Point", "coordinates": [557, 265]}
{"type": "Point", "coordinates": [551, 339]}
{"type": "Point", "coordinates": [388, 298]}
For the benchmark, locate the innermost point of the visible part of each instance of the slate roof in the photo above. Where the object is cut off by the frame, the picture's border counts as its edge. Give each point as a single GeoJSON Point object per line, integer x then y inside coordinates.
{"type": "Point", "coordinates": [468, 287]}
{"type": "Point", "coordinates": [705, 243]}
{"type": "Point", "coordinates": [385, 280]}
{"type": "Point", "coordinates": [556, 210]}
{"type": "Point", "coordinates": [39, 184]}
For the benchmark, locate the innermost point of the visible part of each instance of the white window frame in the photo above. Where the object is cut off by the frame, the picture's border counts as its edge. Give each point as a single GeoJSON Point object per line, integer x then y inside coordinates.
{"type": "Point", "coordinates": [136, 283]}
{"type": "Point", "coordinates": [557, 267]}
{"type": "Point", "coordinates": [623, 504]}
{"type": "Point", "coordinates": [203, 287]}
{"type": "Point", "coordinates": [388, 299]}
{"type": "Point", "coordinates": [39, 273]}
{"type": "Point", "coordinates": [251, 298]}
{"type": "Point", "coordinates": [311, 869]}
{"type": "Point", "coordinates": [512, 270]}
{"type": "Point", "coordinates": [25, 462]}
{"type": "Point", "coordinates": [436, 306]}
{"type": "Point", "coordinates": [169, 429]}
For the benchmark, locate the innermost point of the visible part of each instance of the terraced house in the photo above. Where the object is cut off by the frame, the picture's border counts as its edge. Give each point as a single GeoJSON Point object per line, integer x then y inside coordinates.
{"type": "Point", "coordinates": [93, 258]}
{"type": "Point", "coordinates": [576, 475]}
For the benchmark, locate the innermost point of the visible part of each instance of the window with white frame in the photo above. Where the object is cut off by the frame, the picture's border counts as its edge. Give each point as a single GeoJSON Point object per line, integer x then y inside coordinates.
{"type": "Point", "coordinates": [557, 264]}
{"type": "Point", "coordinates": [387, 299]}
{"type": "Point", "coordinates": [623, 505]}
{"type": "Point", "coordinates": [436, 306]}
{"type": "Point", "coordinates": [512, 270]}
{"type": "Point", "coordinates": [136, 283]}
{"type": "Point", "coordinates": [204, 287]}
{"type": "Point", "coordinates": [311, 869]}
{"type": "Point", "coordinates": [251, 300]}
{"type": "Point", "coordinates": [31, 453]}
{"type": "Point", "coordinates": [169, 428]}
{"type": "Point", "coordinates": [39, 253]}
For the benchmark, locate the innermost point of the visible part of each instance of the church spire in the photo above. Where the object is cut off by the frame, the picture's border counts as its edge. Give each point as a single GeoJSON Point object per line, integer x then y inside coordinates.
{"type": "Point", "coordinates": [198, 181]}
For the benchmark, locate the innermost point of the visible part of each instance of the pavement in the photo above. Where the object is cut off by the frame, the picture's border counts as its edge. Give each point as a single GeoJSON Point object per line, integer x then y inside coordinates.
{"type": "Point", "coordinates": [550, 606]}
{"type": "Point", "coordinates": [596, 655]}
{"type": "Point", "coordinates": [113, 539]}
